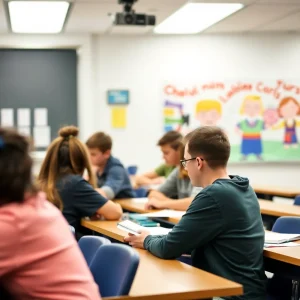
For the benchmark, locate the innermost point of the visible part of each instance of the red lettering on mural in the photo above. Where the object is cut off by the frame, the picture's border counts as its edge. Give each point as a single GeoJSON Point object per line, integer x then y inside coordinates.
{"type": "Point", "coordinates": [171, 90]}
{"type": "Point", "coordinates": [213, 86]}
{"type": "Point", "coordinates": [236, 88]}
{"type": "Point", "coordinates": [262, 88]}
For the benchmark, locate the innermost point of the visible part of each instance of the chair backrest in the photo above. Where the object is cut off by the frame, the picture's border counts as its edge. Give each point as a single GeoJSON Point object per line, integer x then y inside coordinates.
{"type": "Point", "coordinates": [114, 268]}
{"type": "Point", "coordinates": [287, 225]}
{"type": "Point", "coordinates": [297, 200]}
{"type": "Point", "coordinates": [132, 170]}
{"type": "Point", "coordinates": [90, 244]}
{"type": "Point", "coordinates": [140, 193]}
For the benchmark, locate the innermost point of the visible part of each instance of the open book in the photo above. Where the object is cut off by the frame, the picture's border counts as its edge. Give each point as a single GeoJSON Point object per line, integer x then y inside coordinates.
{"type": "Point", "coordinates": [134, 228]}
{"type": "Point", "coordinates": [278, 238]}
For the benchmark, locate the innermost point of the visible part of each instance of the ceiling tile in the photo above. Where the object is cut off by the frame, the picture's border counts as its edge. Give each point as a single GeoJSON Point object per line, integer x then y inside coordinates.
{"type": "Point", "coordinates": [253, 17]}
{"type": "Point", "coordinates": [289, 23]}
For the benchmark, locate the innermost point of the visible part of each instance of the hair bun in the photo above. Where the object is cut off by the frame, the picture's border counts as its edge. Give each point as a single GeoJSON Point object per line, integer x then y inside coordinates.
{"type": "Point", "coordinates": [68, 131]}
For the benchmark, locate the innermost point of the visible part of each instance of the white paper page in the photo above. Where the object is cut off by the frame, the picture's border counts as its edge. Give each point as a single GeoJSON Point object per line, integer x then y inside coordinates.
{"type": "Point", "coordinates": [41, 117]}
{"type": "Point", "coordinates": [275, 237]}
{"type": "Point", "coordinates": [23, 117]}
{"type": "Point", "coordinates": [7, 117]}
{"type": "Point", "coordinates": [166, 213]}
{"type": "Point", "coordinates": [42, 136]}
{"type": "Point", "coordinates": [24, 131]}
{"type": "Point", "coordinates": [289, 244]}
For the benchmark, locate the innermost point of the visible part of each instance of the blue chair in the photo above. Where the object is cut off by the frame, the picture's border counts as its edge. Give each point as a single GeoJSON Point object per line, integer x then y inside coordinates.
{"type": "Point", "coordinates": [114, 267]}
{"type": "Point", "coordinates": [132, 170]}
{"type": "Point", "coordinates": [287, 272]}
{"type": "Point", "coordinates": [297, 200]}
{"type": "Point", "coordinates": [140, 193]}
{"type": "Point", "coordinates": [89, 245]}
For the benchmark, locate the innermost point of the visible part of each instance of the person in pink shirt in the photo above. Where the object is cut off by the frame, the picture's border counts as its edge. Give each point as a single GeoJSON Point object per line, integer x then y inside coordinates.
{"type": "Point", "coordinates": [39, 256]}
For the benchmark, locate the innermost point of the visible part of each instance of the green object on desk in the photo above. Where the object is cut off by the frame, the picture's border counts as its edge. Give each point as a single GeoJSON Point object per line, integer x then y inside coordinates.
{"type": "Point", "coordinates": [142, 220]}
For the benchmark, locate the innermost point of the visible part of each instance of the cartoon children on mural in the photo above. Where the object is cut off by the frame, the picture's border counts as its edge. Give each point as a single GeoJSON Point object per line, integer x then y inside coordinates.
{"type": "Point", "coordinates": [289, 109]}
{"type": "Point", "coordinates": [208, 112]}
{"type": "Point", "coordinates": [251, 126]}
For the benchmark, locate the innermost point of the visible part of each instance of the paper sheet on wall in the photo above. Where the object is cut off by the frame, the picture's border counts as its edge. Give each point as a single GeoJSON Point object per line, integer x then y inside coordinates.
{"type": "Point", "coordinates": [41, 117]}
{"type": "Point", "coordinates": [42, 136]}
{"type": "Point", "coordinates": [24, 130]}
{"type": "Point", "coordinates": [23, 117]}
{"type": "Point", "coordinates": [118, 117]}
{"type": "Point", "coordinates": [7, 117]}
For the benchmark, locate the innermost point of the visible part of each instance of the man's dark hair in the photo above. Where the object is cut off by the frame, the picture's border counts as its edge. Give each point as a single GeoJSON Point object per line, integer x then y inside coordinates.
{"type": "Point", "coordinates": [212, 144]}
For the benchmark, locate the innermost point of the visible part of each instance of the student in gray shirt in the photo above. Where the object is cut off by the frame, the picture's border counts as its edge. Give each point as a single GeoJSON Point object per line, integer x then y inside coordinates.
{"type": "Point", "coordinates": [177, 187]}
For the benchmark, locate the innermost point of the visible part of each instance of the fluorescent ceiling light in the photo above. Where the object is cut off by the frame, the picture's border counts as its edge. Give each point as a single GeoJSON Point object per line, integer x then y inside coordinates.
{"type": "Point", "coordinates": [37, 16]}
{"type": "Point", "coordinates": [195, 17]}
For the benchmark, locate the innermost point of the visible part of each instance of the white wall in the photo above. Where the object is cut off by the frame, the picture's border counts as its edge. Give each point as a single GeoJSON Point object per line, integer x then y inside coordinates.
{"type": "Point", "coordinates": [143, 64]}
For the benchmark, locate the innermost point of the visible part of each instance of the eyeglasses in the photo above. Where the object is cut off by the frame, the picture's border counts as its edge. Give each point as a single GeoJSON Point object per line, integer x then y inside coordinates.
{"type": "Point", "coordinates": [184, 161]}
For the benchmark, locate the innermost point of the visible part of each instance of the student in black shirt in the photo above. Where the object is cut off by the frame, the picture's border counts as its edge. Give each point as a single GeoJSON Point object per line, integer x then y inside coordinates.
{"type": "Point", "coordinates": [222, 227]}
{"type": "Point", "coordinates": [61, 179]}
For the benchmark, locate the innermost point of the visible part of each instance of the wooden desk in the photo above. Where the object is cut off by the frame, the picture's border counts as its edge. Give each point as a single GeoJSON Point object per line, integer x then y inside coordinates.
{"type": "Point", "coordinates": [137, 205]}
{"type": "Point", "coordinates": [276, 191]}
{"type": "Point", "coordinates": [266, 207]}
{"type": "Point", "coordinates": [167, 279]}
{"type": "Point", "coordinates": [290, 255]}
{"type": "Point", "coordinates": [278, 209]}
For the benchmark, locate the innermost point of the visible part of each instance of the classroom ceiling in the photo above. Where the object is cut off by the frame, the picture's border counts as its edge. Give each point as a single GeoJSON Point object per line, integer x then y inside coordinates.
{"type": "Point", "coordinates": [91, 16]}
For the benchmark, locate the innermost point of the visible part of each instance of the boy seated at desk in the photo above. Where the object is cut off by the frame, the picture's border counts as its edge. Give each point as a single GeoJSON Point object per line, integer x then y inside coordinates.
{"type": "Point", "coordinates": [222, 227]}
{"type": "Point", "coordinates": [169, 145]}
{"type": "Point", "coordinates": [177, 191]}
{"type": "Point", "coordinates": [112, 178]}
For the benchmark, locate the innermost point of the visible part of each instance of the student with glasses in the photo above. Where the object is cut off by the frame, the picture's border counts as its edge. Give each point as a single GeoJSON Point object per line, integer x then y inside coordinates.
{"type": "Point", "coordinates": [222, 226]}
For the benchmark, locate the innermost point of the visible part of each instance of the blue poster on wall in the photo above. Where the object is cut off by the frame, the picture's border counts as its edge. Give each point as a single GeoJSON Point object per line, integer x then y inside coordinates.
{"type": "Point", "coordinates": [118, 97]}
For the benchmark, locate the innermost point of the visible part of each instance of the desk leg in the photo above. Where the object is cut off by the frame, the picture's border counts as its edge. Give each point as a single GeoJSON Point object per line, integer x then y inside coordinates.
{"type": "Point", "coordinates": [295, 290]}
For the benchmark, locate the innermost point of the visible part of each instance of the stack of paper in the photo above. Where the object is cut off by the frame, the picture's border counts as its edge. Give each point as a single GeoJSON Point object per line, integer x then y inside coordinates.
{"type": "Point", "coordinates": [278, 238]}
{"type": "Point", "coordinates": [134, 228]}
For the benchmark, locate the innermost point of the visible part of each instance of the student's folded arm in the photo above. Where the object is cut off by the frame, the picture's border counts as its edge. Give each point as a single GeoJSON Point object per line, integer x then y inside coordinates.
{"type": "Point", "coordinates": [201, 224]}
{"type": "Point", "coordinates": [10, 237]}
{"type": "Point", "coordinates": [169, 187]}
{"type": "Point", "coordinates": [89, 202]}
{"type": "Point", "coordinates": [114, 181]}
{"type": "Point", "coordinates": [110, 210]}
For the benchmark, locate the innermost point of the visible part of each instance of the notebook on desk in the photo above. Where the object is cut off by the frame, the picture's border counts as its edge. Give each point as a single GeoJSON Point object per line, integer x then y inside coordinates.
{"type": "Point", "coordinates": [134, 228]}
{"type": "Point", "coordinates": [279, 238]}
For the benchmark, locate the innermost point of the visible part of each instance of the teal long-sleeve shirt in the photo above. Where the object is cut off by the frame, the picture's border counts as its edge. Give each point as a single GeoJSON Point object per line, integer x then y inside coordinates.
{"type": "Point", "coordinates": [223, 230]}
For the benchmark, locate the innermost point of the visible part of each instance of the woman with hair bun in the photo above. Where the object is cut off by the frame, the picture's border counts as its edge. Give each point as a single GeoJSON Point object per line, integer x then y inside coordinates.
{"type": "Point", "coordinates": [61, 178]}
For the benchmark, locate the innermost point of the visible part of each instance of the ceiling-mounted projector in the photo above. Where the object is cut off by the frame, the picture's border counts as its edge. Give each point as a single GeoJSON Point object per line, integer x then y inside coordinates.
{"type": "Point", "coordinates": [129, 17]}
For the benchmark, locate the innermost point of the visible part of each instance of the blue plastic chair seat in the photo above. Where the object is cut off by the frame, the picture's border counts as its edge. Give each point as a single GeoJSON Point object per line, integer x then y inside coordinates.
{"type": "Point", "coordinates": [89, 245]}
{"type": "Point", "coordinates": [114, 267]}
